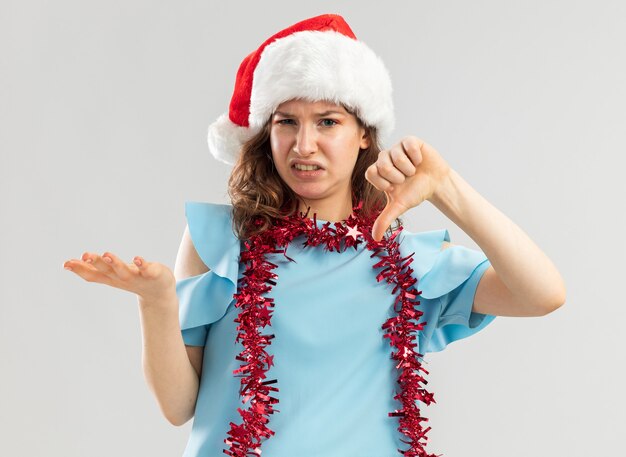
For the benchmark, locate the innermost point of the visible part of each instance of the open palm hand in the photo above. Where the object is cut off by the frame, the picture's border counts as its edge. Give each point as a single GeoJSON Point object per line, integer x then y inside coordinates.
{"type": "Point", "coordinates": [149, 280]}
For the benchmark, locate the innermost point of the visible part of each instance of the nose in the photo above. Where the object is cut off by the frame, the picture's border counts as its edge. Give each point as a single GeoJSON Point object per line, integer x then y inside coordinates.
{"type": "Point", "coordinates": [305, 141]}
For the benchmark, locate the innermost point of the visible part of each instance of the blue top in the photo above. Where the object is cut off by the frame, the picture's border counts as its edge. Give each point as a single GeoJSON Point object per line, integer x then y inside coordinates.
{"type": "Point", "coordinates": [334, 372]}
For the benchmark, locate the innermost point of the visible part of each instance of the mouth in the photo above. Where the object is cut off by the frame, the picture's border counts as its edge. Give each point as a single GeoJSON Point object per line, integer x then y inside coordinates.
{"type": "Point", "coordinates": [306, 171]}
{"type": "Point", "coordinates": [303, 167]}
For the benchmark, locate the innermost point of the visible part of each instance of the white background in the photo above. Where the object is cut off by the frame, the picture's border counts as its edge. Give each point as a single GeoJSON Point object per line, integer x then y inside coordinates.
{"type": "Point", "coordinates": [104, 108]}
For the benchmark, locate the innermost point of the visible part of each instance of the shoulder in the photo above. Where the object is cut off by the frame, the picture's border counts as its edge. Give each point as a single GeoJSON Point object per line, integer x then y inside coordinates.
{"type": "Point", "coordinates": [208, 222]}
{"type": "Point", "coordinates": [207, 212]}
{"type": "Point", "coordinates": [188, 261]}
{"type": "Point", "coordinates": [423, 246]}
{"type": "Point", "coordinates": [208, 242]}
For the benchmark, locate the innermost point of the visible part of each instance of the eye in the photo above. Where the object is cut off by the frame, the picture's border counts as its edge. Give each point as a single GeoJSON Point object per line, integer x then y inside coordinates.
{"type": "Point", "coordinates": [331, 120]}
{"type": "Point", "coordinates": [283, 121]}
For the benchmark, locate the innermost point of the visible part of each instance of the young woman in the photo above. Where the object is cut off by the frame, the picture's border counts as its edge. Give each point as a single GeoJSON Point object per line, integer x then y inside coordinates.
{"type": "Point", "coordinates": [297, 318]}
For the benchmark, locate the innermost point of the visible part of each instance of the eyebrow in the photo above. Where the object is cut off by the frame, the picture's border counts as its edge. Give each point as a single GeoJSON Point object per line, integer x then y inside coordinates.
{"type": "Point", "coordinates": [325, 113]}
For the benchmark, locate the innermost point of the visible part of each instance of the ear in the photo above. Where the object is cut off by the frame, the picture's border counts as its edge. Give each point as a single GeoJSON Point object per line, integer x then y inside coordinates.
{"type": "Point", "coordinates": [365, 139]}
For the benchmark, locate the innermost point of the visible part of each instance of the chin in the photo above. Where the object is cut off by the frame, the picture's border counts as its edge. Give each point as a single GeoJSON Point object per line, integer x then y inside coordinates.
{"type": "Point", "coordinates": [309, 191]}
{"type": "Point", "coordinates": [310, 196]}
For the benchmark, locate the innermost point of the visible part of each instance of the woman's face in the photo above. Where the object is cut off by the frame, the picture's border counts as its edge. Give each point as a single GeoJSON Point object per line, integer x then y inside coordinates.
{"type": "Point", "coordinates": [314, 147]}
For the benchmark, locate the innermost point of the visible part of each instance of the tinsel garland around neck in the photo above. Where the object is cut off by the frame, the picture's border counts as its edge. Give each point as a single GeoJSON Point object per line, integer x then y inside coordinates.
{"type": "Point", "coordinates": [245, 439]}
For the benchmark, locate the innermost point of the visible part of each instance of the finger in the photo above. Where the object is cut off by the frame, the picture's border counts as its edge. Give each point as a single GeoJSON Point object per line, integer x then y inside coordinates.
{"type": "Point", "coordinates": [121, 269]}
{"type": "Point", "coordinates": [380, 183]}
{"type": "Point", "coordinates": [87, 271]}
{"type": "Point", "coordinates": [385, 219]}
{"type": "Point", "coordinates": [145, 269]}
{"type": "Point", "coordinates": [96, 261]}
{"type": "Point", "coordinates": [387, 170]}
{"type": "Point", "coordinates": [402, 162]}
{"type": "Point", "coordinates": [149, 270]}
{"type": "Point", "coordinates": [413, 148]}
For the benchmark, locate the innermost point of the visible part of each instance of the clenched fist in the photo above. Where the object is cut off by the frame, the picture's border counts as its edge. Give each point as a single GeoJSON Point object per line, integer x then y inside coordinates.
{"type": "Point", "coordinates": [409, 173]}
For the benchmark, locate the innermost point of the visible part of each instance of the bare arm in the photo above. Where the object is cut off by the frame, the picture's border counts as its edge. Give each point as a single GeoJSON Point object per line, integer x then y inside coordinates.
{"type": "Point", "coordinates": [523, 281]}
{"type": "Point", "coordinates": [167, 368]}
{"type": "Point", "coordinates": [172, 369]}
{"type": "Point", "coordinates": [188, 263]}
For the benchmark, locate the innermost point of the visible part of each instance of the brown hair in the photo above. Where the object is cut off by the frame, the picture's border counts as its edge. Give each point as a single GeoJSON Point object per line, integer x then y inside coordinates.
{"type": "Point", "coordinates": [257, 192]}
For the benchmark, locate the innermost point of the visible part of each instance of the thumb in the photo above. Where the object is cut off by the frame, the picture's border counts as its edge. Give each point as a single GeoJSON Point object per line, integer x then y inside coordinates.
{"type": "Point", "coordinates": [391, 211]}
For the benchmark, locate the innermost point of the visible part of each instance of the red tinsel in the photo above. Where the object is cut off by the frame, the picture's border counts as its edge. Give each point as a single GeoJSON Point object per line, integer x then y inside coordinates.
{"type": "Point", "coordinates": [256, 313]}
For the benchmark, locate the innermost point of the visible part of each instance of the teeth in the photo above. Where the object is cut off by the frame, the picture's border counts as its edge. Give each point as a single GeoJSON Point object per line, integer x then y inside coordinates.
{"type": "Point", "coordinates": [306, 167]}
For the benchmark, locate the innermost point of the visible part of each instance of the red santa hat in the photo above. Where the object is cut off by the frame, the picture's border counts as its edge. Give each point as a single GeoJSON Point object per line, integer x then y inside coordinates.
{"type": "Point", "coordinates": [315, 59]}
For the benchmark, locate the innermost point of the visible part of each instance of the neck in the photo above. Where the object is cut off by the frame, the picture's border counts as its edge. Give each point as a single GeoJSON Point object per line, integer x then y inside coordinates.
{"type": "Point", "coordinates": [327, 211]}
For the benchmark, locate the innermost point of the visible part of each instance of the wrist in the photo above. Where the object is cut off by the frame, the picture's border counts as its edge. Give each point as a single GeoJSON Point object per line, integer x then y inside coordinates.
{"type": "Point", "coordinates": [445, 195]}
{"type": "Point", "coordinates": [163, 301]}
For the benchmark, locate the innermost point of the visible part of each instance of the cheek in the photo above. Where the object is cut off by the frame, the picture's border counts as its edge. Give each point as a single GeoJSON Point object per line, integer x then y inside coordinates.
{"type": "Point", "coordinates": [349, 156]}
{"type": "Point", "coordinates": [277, 144]}
{"type": "Point", "coordinates": [278, 156]}
{"type": "Point", "coordinates": [273, 144]}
